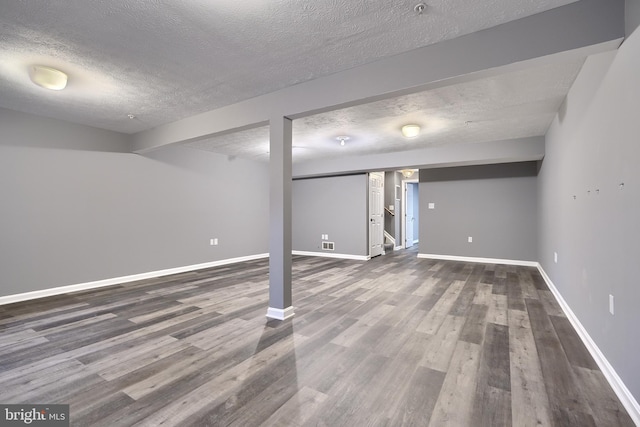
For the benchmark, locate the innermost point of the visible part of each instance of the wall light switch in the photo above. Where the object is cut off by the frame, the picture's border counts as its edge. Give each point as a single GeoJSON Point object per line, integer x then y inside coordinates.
{"type": "Point", "coordinates": [470, 239]}
{"type": "Point", "coordinates": [214, 242]}
{"type": "Point", "coordinates": [555, 257]}
{"type": "Point", "coordinates": [432, 205]}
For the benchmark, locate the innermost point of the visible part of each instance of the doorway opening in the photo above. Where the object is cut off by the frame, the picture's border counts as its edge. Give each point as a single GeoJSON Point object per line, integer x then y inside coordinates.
{"type": "Point", "coordinates": [410, 210]}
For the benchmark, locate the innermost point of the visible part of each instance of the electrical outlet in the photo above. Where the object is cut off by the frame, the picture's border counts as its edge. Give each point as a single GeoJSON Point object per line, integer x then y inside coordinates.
{"type": "Point", "coordinates": [470, 239]}
{"type": "Point", "coordinates": [432, 205]}
{"type": "Point", "coordinates": [555, 257]}
{"type": "Point", "coordinates": [213, 242]}
{"type": "Point", "coordinates": [611, 304]}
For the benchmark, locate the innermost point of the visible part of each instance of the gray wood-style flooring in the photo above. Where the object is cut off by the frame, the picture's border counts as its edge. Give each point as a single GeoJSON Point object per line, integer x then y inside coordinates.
{"type": "Point", "coordinates": [393, 341]}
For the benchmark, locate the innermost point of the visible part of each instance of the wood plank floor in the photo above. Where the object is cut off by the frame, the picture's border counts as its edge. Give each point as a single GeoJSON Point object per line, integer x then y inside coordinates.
{"type": "Point", "coordinates": [393, 341]}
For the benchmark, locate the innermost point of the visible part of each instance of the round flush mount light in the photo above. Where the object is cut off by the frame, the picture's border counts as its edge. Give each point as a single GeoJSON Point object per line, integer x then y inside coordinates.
{"type": "Point", "coordinates": [342, 139]}
{"type": "Point", "coordinates": [47, 77]}
{"type": "Point", "coordinates": [410, 131]}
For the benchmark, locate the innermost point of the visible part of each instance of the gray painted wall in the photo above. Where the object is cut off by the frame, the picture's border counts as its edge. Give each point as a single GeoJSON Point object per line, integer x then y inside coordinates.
{"type": "Point", "coordinates": [494, 204]}
{"type": "Point", "coordinates": [593, 145]}
{"type": "Point", "coordinates": [28, 130]}
{"type": "Point", "coordinates": [72, 216]}
{"type": "Point", "coordinates": [631, 16]}
{"type": "Point", "coordinates": [336, 206]}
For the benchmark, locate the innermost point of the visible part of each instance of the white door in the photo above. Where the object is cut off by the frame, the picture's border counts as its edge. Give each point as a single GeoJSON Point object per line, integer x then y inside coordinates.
{"type": "Point", "coordinates": [376, 213]}
{"type": "Point", "coordinates": [408, 215]}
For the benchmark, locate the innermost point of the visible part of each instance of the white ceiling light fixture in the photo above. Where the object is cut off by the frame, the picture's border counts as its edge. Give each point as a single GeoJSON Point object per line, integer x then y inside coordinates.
{"type": "Point", "coordinates": [342, 139]}
{"type": "Point", "coordinates": [407, 173]}
{"type": "Point", "coordinates": [47, 77]}
{"type": "Point", "coordinates": [410, 131]}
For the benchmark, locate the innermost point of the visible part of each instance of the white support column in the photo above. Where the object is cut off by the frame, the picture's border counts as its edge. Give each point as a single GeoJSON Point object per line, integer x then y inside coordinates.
{"type": "Point", "coordinates": [280, 301]}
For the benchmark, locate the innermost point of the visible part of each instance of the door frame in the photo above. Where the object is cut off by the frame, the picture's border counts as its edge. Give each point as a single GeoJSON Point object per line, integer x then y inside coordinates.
{"type": "Point", "coordinates": [403, 236]}
{"type": "Point", "coordinates": [380, 174]}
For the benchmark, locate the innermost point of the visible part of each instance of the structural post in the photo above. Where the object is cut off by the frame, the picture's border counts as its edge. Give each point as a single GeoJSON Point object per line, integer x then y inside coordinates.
{"type": "Point", "coordinates": [280, 302]}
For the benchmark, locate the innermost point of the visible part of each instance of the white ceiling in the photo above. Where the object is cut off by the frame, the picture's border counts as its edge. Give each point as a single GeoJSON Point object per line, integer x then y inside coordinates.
{"type": "Point", "coordinates": [166, 60]}
{"type": "Point", "coordinates": [512, 105]}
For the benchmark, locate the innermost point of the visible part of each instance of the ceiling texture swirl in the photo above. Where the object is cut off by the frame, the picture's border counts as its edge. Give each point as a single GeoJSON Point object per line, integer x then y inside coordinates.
{"type": "Point", "coordinates": [162, 61]}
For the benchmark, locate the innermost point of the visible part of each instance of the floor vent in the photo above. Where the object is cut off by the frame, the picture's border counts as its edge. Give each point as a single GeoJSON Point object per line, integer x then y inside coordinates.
{"type": "Point", "coordinates": [328, 246]}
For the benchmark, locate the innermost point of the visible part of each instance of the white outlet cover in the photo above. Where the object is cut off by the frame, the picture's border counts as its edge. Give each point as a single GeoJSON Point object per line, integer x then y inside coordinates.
{"type": "Point", "coordinates": [470, 239]}
{"type": "Point", "coordinates": [555, 257]}
{"type": "Point", "coordinates": [432, 205]}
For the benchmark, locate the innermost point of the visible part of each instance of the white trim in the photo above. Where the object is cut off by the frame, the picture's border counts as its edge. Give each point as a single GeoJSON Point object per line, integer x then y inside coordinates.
{"type": "Point", "coordinates": [390, 237]}
{"type": "Point", "coordinates": [333, 255]}
{"type": "Point", "coordinates": [480, 260]}
{"type": "Point", "coordinates": [621, 390]}
{"type": "Point", "coordinates": [371, 234]}
{"type": "Point", "coordinates": [124, 279]}
{"type": "Point", "coordinates": [403, 217]}
{"type": "Point", "coordinates": [279, 313]}
{"type": "Point", "coordinates": [397, 248]}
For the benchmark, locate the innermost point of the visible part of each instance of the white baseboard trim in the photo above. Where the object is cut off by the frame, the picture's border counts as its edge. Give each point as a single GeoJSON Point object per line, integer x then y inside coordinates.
{"type": "Point", "coordinates": [480, 260]}
{"type": "Point", "coordinates": [621, 390]}
{"type": "Point", "coordinates": [9, 299]}
{"type": "Point", "coordinates": [280, 313]}
{"type": "Point", "coordinates": [333, 255]}
{"type": "Point", "coordinates": [397, 248]}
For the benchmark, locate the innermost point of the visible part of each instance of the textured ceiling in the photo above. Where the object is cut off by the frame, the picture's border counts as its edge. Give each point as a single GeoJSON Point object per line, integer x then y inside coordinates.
{"type": "Point", "coordinates": [511, 105]}
{"type": "Point", "coordinates": [166, 60]}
